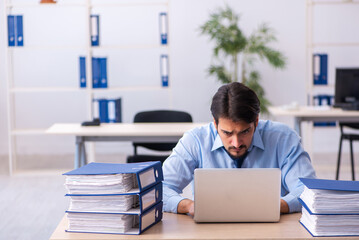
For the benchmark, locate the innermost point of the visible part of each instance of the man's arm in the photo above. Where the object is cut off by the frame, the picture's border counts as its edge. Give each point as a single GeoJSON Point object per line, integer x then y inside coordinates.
{"type": "Point", "coordinates": [186, 206]}
{"type": "Point", "coordinates": [284, 208]}
{"type": "Point", "coordinates": [178, 170]}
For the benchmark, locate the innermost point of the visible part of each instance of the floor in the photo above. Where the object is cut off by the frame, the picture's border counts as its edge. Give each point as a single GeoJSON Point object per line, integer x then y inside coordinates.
{"type": "Point", "coordinates": [32, 201]}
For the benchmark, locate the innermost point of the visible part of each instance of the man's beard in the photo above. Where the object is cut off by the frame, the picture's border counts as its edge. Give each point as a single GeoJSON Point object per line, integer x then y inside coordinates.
{"type": "Point", "coordinates": [242, 147]}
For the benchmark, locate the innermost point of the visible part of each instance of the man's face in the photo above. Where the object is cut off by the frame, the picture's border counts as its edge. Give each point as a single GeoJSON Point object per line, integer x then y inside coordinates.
{"type": "Point", "coordinates": [236, 136]}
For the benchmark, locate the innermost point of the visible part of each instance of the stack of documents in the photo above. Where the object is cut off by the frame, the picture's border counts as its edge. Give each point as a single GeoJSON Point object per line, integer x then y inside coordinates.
{"type": "Point", "coordinates": [114, 198]}
{"type": "Point", "coordinates": [330, 207]}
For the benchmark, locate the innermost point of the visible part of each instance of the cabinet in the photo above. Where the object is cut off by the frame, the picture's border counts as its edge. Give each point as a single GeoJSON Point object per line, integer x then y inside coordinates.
{"type": "Point", "coordinates": [43, 85]}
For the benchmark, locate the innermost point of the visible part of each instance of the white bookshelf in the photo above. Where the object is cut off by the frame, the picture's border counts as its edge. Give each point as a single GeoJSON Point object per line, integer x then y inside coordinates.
{"type": "Point", "coordinates": [83, 48]}
{"type": "Point", "coordinates": [317, 13]}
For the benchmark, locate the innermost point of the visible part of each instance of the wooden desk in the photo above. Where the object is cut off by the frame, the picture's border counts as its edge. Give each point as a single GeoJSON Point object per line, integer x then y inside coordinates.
{"type": "Point", "coordinates": [139, 132]}
{"type": "Point", "coordinates": [306, 113]}
{"type": "Point", "coordinates": [177, 226]}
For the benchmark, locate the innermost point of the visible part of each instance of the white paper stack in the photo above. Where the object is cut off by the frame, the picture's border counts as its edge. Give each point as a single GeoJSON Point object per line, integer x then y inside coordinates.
{"type": "Point", "coordinates": [112, 223]}
{"type": "Point", "coordinates": [99, 184]}
{"type": "Point", "coordinates": [103, 203]}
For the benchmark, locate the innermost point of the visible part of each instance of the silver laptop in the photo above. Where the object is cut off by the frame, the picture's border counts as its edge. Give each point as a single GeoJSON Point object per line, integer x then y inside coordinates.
{"type": "Point", "coordinates": [237, 195]}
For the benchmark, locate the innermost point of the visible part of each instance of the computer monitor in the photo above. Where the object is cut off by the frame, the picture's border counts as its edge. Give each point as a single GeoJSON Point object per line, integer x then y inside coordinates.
{"type": "Point", "coordinates": [347, 88]}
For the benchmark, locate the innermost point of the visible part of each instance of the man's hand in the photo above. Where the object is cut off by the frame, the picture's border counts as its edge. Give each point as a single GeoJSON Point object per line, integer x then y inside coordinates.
{"type": "Point", "coordinates": [284, 208]}
{"type": "Point", "coordinates": [186, 206]}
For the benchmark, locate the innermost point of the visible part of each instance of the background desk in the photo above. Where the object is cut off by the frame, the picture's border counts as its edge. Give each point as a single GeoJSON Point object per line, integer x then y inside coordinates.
{"type": "Point", "coordinates": [177, 226]}
{"type": "Point", "coordinates": [139, 132]}
{"type": "Point", "coordinates": [315, 114]}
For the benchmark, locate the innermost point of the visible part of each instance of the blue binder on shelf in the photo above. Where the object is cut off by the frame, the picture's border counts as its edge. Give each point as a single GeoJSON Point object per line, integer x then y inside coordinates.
{"type": "Point", "coordinates": [142, 201]}
{"type": "Point", "coordinates": [163, 28]}
{"type": "Point", "coordinates": [11, 30]}
{"type": "Point", "coordinates": [103, 110]}
{"type": "Point", "coordinates": [141, 221]}
{"type": "Point", "coordinates": [103, 72]}
{"type": "Point", "coordinates": [19, 31]}
{"type": "Point", "coordinates": [164, 70]}
{"type": "Point", "coordinates": [96, 72]}
{"type": "Point", "coordinates": [95, 29]}
{"type": "Point", "coordinates": [320, 69]}
{"type": "Point", "coordinates": [82, 72]}
{"type": "Point", "coordinates": [147, 174]}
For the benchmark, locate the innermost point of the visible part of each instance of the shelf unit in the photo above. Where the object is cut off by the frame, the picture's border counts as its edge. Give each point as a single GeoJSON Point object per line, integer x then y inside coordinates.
{"type": "Point", "coordinates": [87, 50]}
{"type": "Point", "coordinates": [330, 46]}
{"type": "Point", "coordinates": [311, 45]}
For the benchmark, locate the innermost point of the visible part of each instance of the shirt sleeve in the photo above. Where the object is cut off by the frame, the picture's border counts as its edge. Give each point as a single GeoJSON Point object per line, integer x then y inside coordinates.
{"type": "Point", "coordinates": [178, 170]}
{"type": "Point", "coordinates": [296, 164]}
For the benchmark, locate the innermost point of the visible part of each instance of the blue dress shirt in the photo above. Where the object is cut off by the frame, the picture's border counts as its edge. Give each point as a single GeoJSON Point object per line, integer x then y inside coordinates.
{"type": "Point", "coordinates": [274, 145]}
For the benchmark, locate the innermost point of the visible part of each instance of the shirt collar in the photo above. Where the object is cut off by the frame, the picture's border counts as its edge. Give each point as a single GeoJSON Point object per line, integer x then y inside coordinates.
{"type": "Point", "coordinates": [256, 141]}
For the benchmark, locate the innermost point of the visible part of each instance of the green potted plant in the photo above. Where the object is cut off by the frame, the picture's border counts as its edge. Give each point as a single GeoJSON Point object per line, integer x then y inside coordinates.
{"type": "Point", "coordinates": [233, 49]}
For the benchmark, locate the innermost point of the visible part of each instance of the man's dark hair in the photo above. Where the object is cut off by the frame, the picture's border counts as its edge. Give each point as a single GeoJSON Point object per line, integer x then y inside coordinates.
{"type": "Point", "coordinates": [236, 102]}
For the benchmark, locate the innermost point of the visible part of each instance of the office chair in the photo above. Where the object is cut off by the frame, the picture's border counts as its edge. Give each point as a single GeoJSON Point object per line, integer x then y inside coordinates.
{"type": "Point", "coordinates": [155, 117]}
{"type": "Point", "coordinates": [351, 137]}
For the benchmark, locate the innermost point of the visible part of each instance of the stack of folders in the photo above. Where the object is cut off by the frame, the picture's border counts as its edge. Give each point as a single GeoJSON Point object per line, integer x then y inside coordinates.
{"type": "Point", "coordinates": [330, 207]}
{"type": "Point", "coordinates": [114, 198]}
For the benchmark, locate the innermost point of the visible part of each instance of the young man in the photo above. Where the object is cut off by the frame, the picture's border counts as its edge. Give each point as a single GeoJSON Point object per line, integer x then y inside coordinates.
{"type": "Point", "coordinates": [236, 138]}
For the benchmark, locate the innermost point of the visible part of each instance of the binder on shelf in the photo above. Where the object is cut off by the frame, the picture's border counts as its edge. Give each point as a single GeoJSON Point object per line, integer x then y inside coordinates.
{"type": "Point", "coordinates": [163, 28]}
{"type": "Point", "coordinates": [11, 30]}
{"type": "Point", "coordinates": [114, 110]}
{"type": "Point", "coordinates": [112, 223]}
{"type": "Point", "coordinates": [144, 174]}
{"type": "Point", "coordinates": [103, 72]}
{"type": "Point", "coordinates": [19, 31]}
{"type": "Point", "coordinates": [320, 69]}
{"type": "Point", "coordinates": [164, 70]}
{"type": "Point", "coordinates": [96, 72]}
{"type": "Point", "coordinates": [125, 203]}
{"type": "Point", "coordinates": [103, 110]}
{"type": "Point", "coordinates": [82, 72]}
{"type": "Point", "coordinates": [324, 100]}
{"type": "Point", "coordinates": [95, 29]}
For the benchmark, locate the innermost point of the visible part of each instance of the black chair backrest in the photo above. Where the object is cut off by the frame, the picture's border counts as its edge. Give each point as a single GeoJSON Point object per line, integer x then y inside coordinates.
{"type": "Point", "coordinates": [349, 125]}
{"type": "Point", "coordinates": [160, 116]}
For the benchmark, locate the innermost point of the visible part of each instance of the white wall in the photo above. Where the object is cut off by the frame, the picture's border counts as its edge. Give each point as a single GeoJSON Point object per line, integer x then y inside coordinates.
{"type": "Point", "coordinates": [190, 56]}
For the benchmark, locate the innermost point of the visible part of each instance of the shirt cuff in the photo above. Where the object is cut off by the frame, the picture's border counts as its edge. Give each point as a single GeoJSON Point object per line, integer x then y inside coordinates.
{"type": "Point", "coordinates": [172, 203]}
{"type": "Point", "coordinates": [293, 203]}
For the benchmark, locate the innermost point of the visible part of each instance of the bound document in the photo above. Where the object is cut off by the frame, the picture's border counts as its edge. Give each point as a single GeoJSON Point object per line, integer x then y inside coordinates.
{"type": "Point", "coordinates": [130, 202]}
{"type": "Point", "coordinates": [330, 207]}
{"type": "Point", "coordinates": [112, 178]}
{"type": "Point", "coordinates": [112, 223]}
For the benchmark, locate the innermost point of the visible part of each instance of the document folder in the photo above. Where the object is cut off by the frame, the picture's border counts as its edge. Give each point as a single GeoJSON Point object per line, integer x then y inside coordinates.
{"type": "Point", "coordinates": [11, 30]}
{"type": "Point", "coordinates": [115, 223]}
{"type": "Point", "coordinates": [326, 184]}
{"type": "Point", "coordinates": [164, 70]}
{"type": "Point", "coordinates": [19, 31]}
{"type": "Point", "coordinates": [82, 72]}
{"type": "Point", "coordinates": [95, 27]}
{"type": "Point", "coordinates": [146, 174]}
{"type": "Point", "coordinates": [113, 203]}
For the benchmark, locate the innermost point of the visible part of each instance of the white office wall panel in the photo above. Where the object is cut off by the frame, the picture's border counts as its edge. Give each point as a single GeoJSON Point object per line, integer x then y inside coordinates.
{"type": "Point", "coordinates": [46, 68]}
{"type": "Point", "coordinates": [50, 25]}
{"type": "Point", "coordinates": [129, 25]}
{"type": "Point", "coordinates": [41, 110]}
{"type": "Point", "coordinates": [336, 23]}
